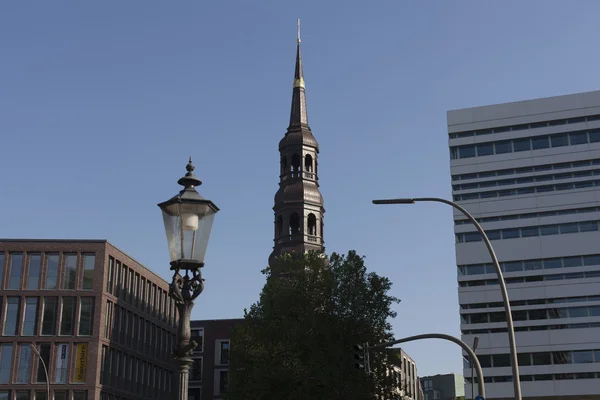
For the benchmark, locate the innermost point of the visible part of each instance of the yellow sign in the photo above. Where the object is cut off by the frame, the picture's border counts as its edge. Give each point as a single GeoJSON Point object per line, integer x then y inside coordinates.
{"type": "Point", "coordinates": [81, 362]}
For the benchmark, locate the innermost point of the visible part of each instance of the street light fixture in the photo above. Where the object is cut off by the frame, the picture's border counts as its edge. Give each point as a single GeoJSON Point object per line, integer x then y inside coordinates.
{"type": "Point", "coordinates": [37, 353]}
{"type": "Point", "coordinates": [188, 219]}
{"type": "Point", "coordinates": [474, 347]}
{"type": "Point", "coordinates": [503, 290]}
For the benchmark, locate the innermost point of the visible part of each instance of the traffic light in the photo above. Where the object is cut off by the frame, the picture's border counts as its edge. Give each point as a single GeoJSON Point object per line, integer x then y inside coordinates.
{"type": "Point", "coordinates": [361, 357]}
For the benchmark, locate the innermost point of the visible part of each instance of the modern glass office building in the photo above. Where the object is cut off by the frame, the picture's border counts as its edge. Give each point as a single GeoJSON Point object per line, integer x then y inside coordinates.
{"type": "Point", "coordinates": [530, 172]}
{"type": "Point", "coordinates": [103, 324]}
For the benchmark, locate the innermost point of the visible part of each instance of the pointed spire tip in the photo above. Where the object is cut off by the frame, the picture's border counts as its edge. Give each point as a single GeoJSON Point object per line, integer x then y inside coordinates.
{"type": "Point", "coordinates": [299, 31]}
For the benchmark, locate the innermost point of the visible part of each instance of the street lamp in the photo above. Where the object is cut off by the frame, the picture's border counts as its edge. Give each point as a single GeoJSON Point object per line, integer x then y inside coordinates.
{"type": "Point", "coordinates": [188, 219]}
{"type": "Point", "coordinates": [474, 347]}
{"type": "Point", "coordinates": [503, 290]}
{"type": "Point", "coordinates": [37, 353]}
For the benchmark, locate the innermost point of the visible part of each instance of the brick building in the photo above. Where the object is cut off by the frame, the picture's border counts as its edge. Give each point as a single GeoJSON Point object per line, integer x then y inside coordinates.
{"type": "Point", "coordinates": [209, 376]}
{"type": "Point", "coordinates": [103, 323]}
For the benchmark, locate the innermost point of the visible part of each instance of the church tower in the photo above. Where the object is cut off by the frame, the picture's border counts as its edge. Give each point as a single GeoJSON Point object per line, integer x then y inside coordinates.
{"type": "Point", "coordinates": [298, 202]}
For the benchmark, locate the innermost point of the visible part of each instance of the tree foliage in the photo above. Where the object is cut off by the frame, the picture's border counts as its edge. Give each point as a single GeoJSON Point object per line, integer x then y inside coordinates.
{"type": "Point", "coordinates": [296, 341]}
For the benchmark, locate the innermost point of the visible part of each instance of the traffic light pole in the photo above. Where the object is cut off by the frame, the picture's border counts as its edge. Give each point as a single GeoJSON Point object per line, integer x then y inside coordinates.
{"type": "Point", "coordinates": [442, 336]}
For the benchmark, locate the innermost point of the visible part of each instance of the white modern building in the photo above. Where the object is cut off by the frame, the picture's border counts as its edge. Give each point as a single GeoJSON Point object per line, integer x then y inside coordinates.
{"type": "Point", "coordinates": [530, 172]}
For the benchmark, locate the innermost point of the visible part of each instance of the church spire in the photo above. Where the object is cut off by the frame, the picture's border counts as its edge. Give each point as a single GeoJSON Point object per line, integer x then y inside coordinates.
{"type": "Point", "coordinates": [298, 115]}
{"type": "Point", "coordinates": [298, 205]}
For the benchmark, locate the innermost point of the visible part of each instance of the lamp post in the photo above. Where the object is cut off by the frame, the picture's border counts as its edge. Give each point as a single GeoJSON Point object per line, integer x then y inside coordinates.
{"type": "Point", "coordinates": [503, 290]}
{"type": "Point", "coordinates": [37, 353]}
{"type": "Point", "coordinates": [474, 347]}
{"type": "Point", "coordinates": [188, 219]}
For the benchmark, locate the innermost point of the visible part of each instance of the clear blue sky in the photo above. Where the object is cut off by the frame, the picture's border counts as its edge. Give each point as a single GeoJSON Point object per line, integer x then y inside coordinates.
{"type": "Point", "coordinates": [102, 102]}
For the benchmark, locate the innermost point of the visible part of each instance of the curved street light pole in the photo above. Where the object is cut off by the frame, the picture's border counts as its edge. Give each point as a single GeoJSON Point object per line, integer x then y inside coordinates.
{"type": "Point", "coordinates": [459, 342]}
{"type": "Point", "coordinates": [503, 290]}
{"type": "Point", "coordinates": [37, 353]}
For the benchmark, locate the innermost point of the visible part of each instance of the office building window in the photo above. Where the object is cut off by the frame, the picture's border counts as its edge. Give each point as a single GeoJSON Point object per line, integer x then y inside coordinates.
{"type": "Point", "coordinates": [68, 316]}
{"type": "Point", "coordinates": [60, 395]}
{"type": "Point", "coordinates": [44, 349]}
{"type": "Point", "coordinates": [108, 319]}
{"type": "Point", "coordinates": [35, 266]}
{"type": "Point", "coordinates": [86, 316]}
{"type": "Point", "coordinates": [62, 363]}
{"type": "Point", "coordinates": [70, 271]}
{"type": "Point", "coordinates": [135, 289]}
{"type": "Point", "coordinates": [31, 314]}
{"type": "Point", "coordinates": [80, 395]}
{"type": "Point", "coordinates": [51, 272]}
{"type": "Point", "coordinates": [117, 289]}
{"type": "Point", "coordinates": [109, 277]}
{"type": "Point", "coordinates": [39, 395]}
{"type": "Point", "coordinates": [22, 395]}
{"type": "Point", "coordinates": [24, 368]}
{"type": "Point", "coordinates": [89, 261]}
{"type": "Point", "coordinates": [16, 269]}
{"type": "Point", "coordinates": [49, 316]}
{"type": "Point", "coordinates": [5, 362]}
{"type": "Point", "coordinates": [12, 316]}
{"type": "Point", "coordinates": [123, 294]}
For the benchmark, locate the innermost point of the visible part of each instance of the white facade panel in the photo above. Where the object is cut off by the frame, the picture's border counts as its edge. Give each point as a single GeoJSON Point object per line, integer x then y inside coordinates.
{"type": "Point", "coordinates": [541, 207]}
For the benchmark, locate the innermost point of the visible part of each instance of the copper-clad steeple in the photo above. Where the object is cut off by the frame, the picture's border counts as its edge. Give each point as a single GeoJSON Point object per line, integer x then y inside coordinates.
{"type": "Point", "coordinates": [298, 202]}
{"type": "Point", "coordinates": [298, 115]}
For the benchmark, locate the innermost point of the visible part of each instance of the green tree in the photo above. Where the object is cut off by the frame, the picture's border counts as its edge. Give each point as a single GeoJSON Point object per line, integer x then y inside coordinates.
{"type": "Point", "coordinates": [296, 341]}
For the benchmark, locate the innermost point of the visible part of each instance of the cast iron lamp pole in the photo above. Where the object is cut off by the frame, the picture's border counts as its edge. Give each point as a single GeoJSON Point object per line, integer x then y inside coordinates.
{"type": "Point", "coordinates": [188, 219]}
{"type": "Point", "coordinates": [509, 321]}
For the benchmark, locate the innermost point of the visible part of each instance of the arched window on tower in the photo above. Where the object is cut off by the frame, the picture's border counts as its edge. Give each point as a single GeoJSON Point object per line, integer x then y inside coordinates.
{"type": "Point", "coordinates": [321, 226]}
{"type": "Point", "coordinates": [279, 225]}
{"type": "Point", "coordinates": [308, 163]}
{"type": "Point", "coordinates": [312, 224]}
{"type": "Point", "coordinates": [296, 164]}
{"type": "Point", "coordinates": [284, 165]}
{"type": "Point", "coordinates": [294, 224]}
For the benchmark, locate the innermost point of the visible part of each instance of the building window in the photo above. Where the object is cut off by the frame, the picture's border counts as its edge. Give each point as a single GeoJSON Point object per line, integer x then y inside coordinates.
{"type": "Point", "coordinates": [123, 294]}
{"type": "Point", "coordinates": [108, 319]}
{"type": "Point", "coordinates": [89, 261]}
{"type": "Point", "coordinates": [135, 289]}
{"type": "Point", "coordinates": [86, 314]}
{"type": "Point", "coordinates": [24, 368]}
{"type": "Point", "coordinates": [35, 264]}
{"type": "Point", "coordinates": [109, 277]}
{"type": "Point", "coordinates": [223, 382]}
{"type": "Point", "coordinates": [22, 395]}
{"type": "Point", "coordinates": [12, 316]}
{"type": "Point", "coordinates": [49, 316]}
{"type": "Point", "coordinates": [44, 349]}
{"type": "Point", "coordinates": [62, 363]}
{"type": "Point", "coordinates": [51, 272]}
{"type": "Point", "coordinates": [196, 372]}
{"type": "Point", "coordinates": [68, 316]}
{"type": "Point", "coordinates": [70, 271]}
{"type": "Point", "coordinates": [31, 314]}
{"type": "Point", "coordinates": [117, 289]}
{"type": "Point", "coordinates": [223, 352]}
{"type": "Point", "coordinates": [198, 337]}
{"type": "Point", "coordinates": [60, 395]}
{"type": "Point", "coordinates": [39, 396]}
{"type": "Point", "coordinates": [16, 268]}
{"type": "Point", "coordinates": [5, 362]}
{"type": "Point", "coordinates": [80, 395]}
